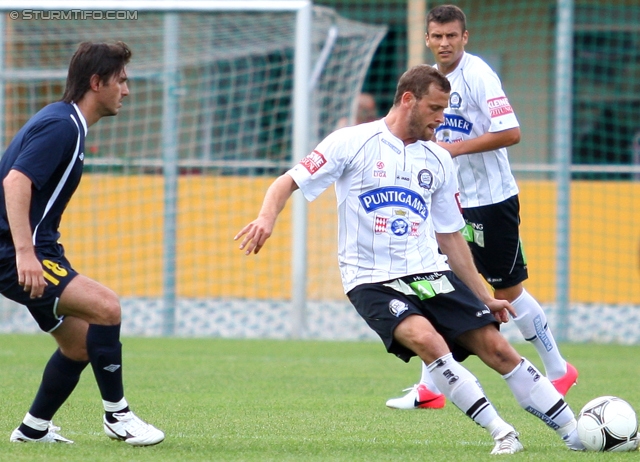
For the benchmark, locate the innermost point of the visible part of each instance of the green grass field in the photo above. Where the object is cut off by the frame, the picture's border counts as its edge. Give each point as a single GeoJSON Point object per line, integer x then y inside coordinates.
{"type": "Point", "coordinates": [263, 400]}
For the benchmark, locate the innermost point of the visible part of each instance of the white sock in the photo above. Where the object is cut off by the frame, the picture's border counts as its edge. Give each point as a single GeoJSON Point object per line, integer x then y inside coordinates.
{"type": "Point", "coordinates": [427, 381]}
{"type": "Point", "coordinates": [35, 423]}
{"type": "Point", "coordinates": [115, 407]}
{"type": "Point", "coordinates": [537, 395]}
{"type": "Point", "coordinates": [532, 323]}
{"type": "Point", "coordinates": [462, 389]}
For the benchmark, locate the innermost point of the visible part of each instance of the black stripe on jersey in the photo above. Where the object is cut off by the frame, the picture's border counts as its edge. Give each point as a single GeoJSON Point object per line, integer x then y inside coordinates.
{"type": "Point", "coordinates": [358, 151]}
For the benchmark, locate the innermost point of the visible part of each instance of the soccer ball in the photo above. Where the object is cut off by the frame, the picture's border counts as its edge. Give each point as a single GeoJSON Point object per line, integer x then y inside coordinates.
{"type": "Point", "coordinates": [608, 423]}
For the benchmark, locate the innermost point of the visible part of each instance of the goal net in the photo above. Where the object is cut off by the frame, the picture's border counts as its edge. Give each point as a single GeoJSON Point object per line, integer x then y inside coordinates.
{"type": "Point", "coordinates": [220, 86]}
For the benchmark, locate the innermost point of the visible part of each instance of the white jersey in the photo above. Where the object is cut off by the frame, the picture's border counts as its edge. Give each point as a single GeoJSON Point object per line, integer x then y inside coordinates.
{"type": "Point", "coordinates": [391, 198]}
{"type": "Point", "coordinates": [478, 105]}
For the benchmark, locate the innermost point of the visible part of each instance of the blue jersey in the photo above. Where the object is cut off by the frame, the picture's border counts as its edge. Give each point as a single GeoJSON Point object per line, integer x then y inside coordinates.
{"type": "Point", "coordinates": [49, 149]}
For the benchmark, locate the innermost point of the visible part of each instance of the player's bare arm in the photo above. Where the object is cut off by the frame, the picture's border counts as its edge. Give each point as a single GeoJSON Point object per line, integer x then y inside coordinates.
{"type": "Point", "coordinates": [17, 187]}
{"type": "Point", "coordinates": [461, 262]}
{"type": "Point", "coordinates": [259, 230]}
{"type": "Point", "coordinates": [483, 143]}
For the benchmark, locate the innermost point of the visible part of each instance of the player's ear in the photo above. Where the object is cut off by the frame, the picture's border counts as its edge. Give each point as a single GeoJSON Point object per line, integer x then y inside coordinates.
{"type": "Point", "coordinates": [94, 82]}
{"type": "Point", "coordinates": [407, 97]}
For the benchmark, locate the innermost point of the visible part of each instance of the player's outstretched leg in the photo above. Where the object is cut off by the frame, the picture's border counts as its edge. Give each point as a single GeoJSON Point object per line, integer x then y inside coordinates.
{"type": "Point", "coordinates": [59, 379]}
{"type": "Point", "coordinates": [535, 394]}
{"type": "Point", "coordinates": [462, 388]}
{"type": "Point", "coordinates": [532, 323]}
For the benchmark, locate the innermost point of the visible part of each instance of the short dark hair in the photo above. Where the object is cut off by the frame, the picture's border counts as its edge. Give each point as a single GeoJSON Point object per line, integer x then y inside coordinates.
{"type": "Point", "coordinates": [445, 14]}
{"type": "Point", "coordinates": [102, 59]}
{"type": "Point", "coordinates": [417, 81]}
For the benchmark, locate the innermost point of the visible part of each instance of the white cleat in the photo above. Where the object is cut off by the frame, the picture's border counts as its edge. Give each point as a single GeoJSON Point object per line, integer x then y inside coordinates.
{"type": "Point", "coordinates": [508, 444]}
{"type": "Point", "coordinates": [573, 441]}
{"type": "Point", "coordinates": [51, 437]}
{"type": "Point", "coordinates": [132, 430]}
{"type": "Point", "coordinates": [418, 397]}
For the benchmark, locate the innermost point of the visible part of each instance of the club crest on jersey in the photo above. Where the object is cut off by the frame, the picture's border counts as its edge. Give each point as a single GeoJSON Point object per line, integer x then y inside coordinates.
{"type": "Point", "coordinates": [397, 307]}
{"type": "Point", "coordinates": [455, 100]}
{"type": "Point", "coordinates": [394, 196]}
{"type": "Point", "coordinates": [425, 179]}
{"type": "Point", "coordinates": [313, 162]}
{"type": "Point", "coordinates": [456, 123]}
{"type": "Point", "coordinates": [398, 224]}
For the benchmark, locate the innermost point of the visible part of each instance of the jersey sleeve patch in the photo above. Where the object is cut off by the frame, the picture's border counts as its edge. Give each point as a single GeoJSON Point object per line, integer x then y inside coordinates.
{"type": "Point", "coordinates": [457, 196]}
{"type": "Point", "coordinates": [499, 106]}
{"type": "Point", "coordinates": [313, 162]}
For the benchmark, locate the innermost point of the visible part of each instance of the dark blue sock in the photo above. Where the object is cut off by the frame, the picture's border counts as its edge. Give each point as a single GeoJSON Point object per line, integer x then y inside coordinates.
{"type": "Point", "coordinates": [60, 377]}
{"type": "Point", "coordinates": [105, 355]}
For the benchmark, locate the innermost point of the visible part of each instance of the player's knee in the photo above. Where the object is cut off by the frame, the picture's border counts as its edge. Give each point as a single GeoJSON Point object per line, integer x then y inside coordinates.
{"type": "Point", "coordinates": [503, 357]}
{"type": "Point", "coordinates": [429, 345]}
{"type": "Point", "coordinates": [76, 352]}
{"type": "Point", "coordinates": [109, 310]}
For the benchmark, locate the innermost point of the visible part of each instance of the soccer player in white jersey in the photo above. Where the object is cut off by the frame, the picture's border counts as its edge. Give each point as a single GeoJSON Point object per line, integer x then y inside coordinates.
{"type": "Point", "coordinates": [397, 206]}
{"type": "Point", "coordinates": [479, 125]}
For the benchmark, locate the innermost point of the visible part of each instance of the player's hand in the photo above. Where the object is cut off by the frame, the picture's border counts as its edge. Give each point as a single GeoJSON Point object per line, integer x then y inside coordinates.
{"type": "Point", "coordinates": [30, 274]}
{"type": "Point", "coordinates": [501, 309]}
{"type": "Point", "coordinates": [255, 235]}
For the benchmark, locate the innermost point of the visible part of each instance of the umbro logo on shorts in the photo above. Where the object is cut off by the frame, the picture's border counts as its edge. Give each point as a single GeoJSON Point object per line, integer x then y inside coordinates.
{"type": "Point", "coordinates": [112, 367]}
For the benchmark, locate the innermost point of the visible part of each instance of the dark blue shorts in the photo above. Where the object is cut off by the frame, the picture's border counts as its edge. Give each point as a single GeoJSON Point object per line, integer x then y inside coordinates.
{"type": "Point", "coordinates": [493, 234]}
{"type": "Point", "coordinates": [449, 305]}
{"type": "Point", "coordinates": [57, 272]}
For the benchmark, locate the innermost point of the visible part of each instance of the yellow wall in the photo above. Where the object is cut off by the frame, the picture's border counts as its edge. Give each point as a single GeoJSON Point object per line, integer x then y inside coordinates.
{"type": "Point", "coordinates": [112, 231]}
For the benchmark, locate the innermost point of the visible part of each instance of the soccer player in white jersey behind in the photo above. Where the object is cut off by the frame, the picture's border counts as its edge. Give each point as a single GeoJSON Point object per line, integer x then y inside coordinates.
{"type": "Point", "coordinates": [397, 204]}
{"type": "Point", "coordinates": [40, 171]}
{"type": "Point", "coordinates": [479, 125]}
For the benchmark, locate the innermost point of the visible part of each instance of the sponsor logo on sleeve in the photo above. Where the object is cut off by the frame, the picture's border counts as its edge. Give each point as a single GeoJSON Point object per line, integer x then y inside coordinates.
{"type": "Point", "coordinates": [499, 107]}
{"type": "Point", "coordinates": [313, 162]}
{"type": "Point", "coordinates": [457, 196]}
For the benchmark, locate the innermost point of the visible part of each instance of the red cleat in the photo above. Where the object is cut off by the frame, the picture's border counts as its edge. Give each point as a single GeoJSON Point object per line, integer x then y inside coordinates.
{"type": "Point", "coordinates": [419, 397]}
{"type": "Point", "coordinates": [564, 383]}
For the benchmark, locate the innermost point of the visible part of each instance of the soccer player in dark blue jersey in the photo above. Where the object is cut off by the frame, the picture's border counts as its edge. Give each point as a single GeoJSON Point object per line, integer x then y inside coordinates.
{"type": "Point", "coordinates": [40, 171]}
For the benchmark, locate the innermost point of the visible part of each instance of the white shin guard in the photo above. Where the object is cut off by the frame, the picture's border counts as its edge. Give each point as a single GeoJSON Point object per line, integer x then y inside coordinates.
{"type": "Point", "coordinates": [536, 394]}
{"type": "Point", "coordinates": [462, 388]}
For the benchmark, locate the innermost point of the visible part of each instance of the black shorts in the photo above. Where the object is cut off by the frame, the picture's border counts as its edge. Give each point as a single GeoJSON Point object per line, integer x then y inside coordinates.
{"type": "Point", "coordinates": [493, 234]}
{"type": "Point", "coordinates": [446, 302]}
{"type": "Point", "coordinates": [58, 273]}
